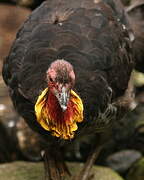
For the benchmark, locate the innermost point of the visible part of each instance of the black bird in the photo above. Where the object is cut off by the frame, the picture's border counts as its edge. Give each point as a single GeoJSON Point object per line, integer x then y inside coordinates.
{"type": "Point", "coordinates": [68, 72]}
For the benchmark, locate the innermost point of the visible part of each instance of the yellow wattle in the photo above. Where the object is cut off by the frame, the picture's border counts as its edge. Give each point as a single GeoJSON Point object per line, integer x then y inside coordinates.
{"type": "Point", "coordinates": [64, 129]}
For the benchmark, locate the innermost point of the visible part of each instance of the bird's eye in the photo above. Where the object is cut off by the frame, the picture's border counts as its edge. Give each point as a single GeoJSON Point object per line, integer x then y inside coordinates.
{"type": "Point", "coordinates": [51, 79]}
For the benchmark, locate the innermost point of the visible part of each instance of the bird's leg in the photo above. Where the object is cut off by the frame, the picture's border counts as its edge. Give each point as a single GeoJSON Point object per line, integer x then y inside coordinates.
{"type": "Point", "coordinates": [85, 172]}
{"type": "Point", "coordinates": [61, 165]}
{"type": "Point", "coordinates": [55, 167]}
{"type": "Point", "coordinates": [50, 167]}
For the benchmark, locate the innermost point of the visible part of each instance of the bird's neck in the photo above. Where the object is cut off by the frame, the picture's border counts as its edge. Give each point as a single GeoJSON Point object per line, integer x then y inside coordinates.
{"type": "Point", "coordinates": [52, 118]}
{"type": "Point", "coordinates": [56, 112]}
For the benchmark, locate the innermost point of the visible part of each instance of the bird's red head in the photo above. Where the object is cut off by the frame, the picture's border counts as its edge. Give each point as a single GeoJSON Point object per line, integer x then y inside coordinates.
{"type": "Point", "coordinates": [61, 79]}
{"type": "Point", "coordinates": [59, 108]}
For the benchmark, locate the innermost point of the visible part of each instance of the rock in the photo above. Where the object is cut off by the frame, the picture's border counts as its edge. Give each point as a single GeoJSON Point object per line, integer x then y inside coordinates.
{"type": "Point", "coordinates": [8, 140]}
{"type": "Point", "coordinates": [138, 78]}
{"type": "Point", "coordinates": [137, 171]}
{"type": "Point", "coordinates": [103, 173]}
{"type": "Point", "coordinates": [8, 145]}
{"type": "Point", "coordinates": [35, 171]}
{"type": "Point", "coordinates": [121, 161]}
{"type": "Point", "coordinates": [17, 140]}
{"type": "Point", "coordinates": [21, 171]}
{"type": "Point", "coordinates": [16, 137]}
{"type": "Point", "coordinates": [30, 143]}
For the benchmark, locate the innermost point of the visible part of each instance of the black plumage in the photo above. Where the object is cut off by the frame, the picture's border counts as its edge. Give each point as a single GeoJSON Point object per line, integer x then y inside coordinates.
{"type": "Point", "coordinates": [92, 37]}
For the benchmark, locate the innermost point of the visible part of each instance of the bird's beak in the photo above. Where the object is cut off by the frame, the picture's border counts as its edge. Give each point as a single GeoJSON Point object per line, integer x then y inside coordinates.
{"type": "Point", "coordinates": [63, 98]}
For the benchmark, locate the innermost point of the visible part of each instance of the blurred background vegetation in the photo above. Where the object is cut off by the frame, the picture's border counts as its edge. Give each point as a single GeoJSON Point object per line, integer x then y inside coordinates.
{"type": "Point", "coordinates": [124, 152]}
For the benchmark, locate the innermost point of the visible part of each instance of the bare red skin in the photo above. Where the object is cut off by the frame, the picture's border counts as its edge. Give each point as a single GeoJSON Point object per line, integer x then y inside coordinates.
{"type": "Point", "coordinates": [60, 69]}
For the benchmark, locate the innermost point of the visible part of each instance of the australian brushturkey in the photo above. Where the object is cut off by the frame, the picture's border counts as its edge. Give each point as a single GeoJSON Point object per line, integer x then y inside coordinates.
{"type": "Point", "coordinates": [68, 72]}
